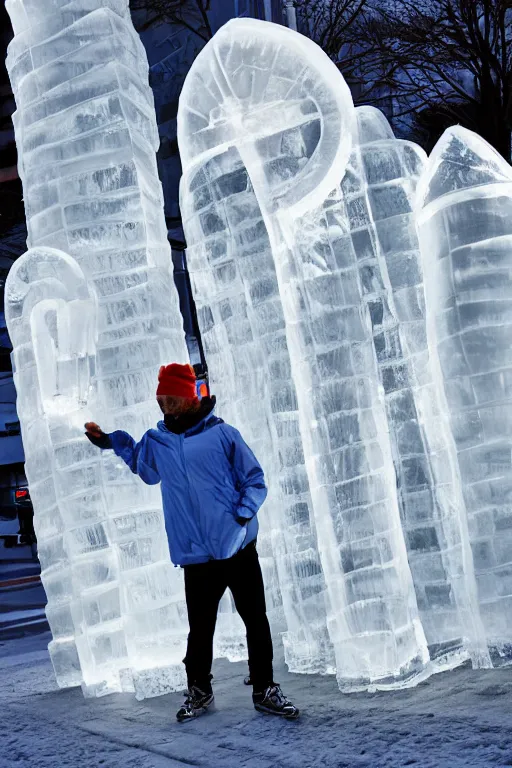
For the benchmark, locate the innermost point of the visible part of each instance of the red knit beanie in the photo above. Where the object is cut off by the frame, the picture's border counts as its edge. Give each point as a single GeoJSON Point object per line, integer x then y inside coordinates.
{"type": "Point", "coordinates": [177, 380]}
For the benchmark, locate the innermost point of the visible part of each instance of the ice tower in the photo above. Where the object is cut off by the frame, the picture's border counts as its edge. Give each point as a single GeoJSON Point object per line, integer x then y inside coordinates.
{"type": "Point", "coordinates": [265, 133]}
{"type": "Point", "coordinates": [465, 225]}
{"type": "Point", "coordinates": [92, 313]}
{"type": "Point", "coordinates": [239, 307]}
{"type": "Point", "coordinates": [379, 190]}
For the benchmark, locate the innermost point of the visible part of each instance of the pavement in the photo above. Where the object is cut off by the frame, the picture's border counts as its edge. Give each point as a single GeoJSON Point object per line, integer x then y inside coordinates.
{"type": "Point", "coordinates": [458, 719]}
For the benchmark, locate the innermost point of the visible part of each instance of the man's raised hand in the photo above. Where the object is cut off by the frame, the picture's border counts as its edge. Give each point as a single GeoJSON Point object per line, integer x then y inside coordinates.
{"type": "Point", "coordinates": [93, 429]}
{"type": "Point", "coordinates": [97, 436]}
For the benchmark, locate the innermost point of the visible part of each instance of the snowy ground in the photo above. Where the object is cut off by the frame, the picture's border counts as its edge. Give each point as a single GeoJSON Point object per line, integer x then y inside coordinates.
{"type": "Point", "coordinates": [454, 720]}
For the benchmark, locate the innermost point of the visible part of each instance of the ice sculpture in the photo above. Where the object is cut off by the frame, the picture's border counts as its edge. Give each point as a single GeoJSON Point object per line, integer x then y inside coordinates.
{"type": "Point", "coordinates": [379, 189]}
{"type": "Point", "coordinates": [240, 312]}
{"type": "Point", "coordinates": [92, 313]}
{"type": "Point", "coordinates": [375, 627]}
{"type": "Point", "coordinates": [382, 425]}
{"type": "Point", "coordinates": [263, 112]}
{"type": "Point", "coordinates": [465, 226]}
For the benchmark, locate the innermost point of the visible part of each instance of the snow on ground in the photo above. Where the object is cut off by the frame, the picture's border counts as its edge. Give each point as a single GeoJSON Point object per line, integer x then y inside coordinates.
{"type": "Point", "coordinates": [454, 720]}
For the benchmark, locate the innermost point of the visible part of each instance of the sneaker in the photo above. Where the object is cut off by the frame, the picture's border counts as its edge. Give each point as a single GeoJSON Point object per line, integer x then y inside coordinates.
{"type": "Point", "coordinates": [272, 701]}
{"type": "Point", "coordinates": [195, 704]}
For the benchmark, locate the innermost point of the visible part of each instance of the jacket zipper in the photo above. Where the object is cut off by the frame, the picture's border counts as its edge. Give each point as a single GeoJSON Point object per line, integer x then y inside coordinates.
{"type": "Point", "coordinates": [192, 504]}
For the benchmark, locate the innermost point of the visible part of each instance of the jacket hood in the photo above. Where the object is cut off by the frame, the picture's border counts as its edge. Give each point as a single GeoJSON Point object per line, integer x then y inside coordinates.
{"type": "Point", "coordinates": [192, 424]}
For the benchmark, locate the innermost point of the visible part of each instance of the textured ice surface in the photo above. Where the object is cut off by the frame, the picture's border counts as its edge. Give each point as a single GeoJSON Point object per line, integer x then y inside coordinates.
{"type": "Point", "coordinates": [265, 132]}
{"type": "Point", "coordinates": [379, 189]}
{"type": "Point", "coordinates": [465, 226]}
{"type": "Point", "coordinates": [92, 313]}
{"type": "Point", "coordinates": [240, 312]}
{"type": "Point", "coordinates": [378, 405]}
{"type": "Point", "coordinates": [374, 623]}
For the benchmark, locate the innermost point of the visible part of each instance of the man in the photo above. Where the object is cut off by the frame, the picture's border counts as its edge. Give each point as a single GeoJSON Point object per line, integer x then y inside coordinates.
{"type": "Point", "coordinates": [212, 488]}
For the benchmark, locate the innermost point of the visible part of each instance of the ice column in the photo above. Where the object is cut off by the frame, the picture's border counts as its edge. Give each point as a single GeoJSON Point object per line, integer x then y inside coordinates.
{"type": "Point", "coordinates": [374, 625]}
{"type": "Point", "coordinates": [86, 136]}
{"type": "Point", "coordinates": [236, 101]}
{"type": "Point", "coordinates": [379, 190]}
{"type": "Point", "coordinates": [242, 329]}
{"type": "Point", "coordinates": [236, 291]}
{"type": "Point", "coordinates": [465, 226]}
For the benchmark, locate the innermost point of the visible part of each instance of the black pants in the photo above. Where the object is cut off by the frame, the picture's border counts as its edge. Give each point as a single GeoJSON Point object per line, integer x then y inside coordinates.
{"type": "Point", "coordinates": [205, 583]}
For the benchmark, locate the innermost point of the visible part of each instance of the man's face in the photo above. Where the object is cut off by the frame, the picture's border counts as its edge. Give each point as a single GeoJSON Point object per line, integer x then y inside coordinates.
{"type": "Point", "coordinates": [174, 406]}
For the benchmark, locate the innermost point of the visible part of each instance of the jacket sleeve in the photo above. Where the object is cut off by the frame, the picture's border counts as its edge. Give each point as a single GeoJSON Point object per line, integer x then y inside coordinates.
{"type": "Point", "coordinates": [138, 456]}
{"type": "Point", "coordinates": [249, 477]}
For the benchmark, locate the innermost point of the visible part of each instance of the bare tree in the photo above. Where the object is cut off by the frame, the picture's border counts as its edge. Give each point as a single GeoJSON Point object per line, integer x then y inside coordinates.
{"type": "Point", "coordinates": [187, 14]}
{"type": "Point", "coordinates": [440, 61]}
{"type": "Point", "coordinates": [445, 61]}
{"type": "Point", "coordinates": [340, 28]}
{"type": "Point", "coordinates": [330, 23]}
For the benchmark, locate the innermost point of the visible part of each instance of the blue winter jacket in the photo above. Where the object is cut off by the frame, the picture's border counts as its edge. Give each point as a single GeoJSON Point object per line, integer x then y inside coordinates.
{"type": "Point", "coordinates": [211, 484]}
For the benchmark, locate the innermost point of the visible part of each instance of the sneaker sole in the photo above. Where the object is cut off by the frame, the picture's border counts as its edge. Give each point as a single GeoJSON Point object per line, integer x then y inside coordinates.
{"type": "Point", "coordinates": [286, 716]}
{"type": "Point", "coordinates": [196, 712]}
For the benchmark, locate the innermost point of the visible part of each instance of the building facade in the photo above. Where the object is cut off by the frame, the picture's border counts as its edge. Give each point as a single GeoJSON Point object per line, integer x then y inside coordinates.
{"type": "Point", "coordinates": [12, 244]}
